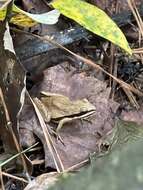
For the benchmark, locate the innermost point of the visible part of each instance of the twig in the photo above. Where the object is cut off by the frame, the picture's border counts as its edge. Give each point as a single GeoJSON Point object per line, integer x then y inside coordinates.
{"type": "Point", "coordinates": [93, 64]}
{"type": "Point", "coordinates": [33, 48]}
{"type": "Point", "coordinates": [16, 155]}
{"type": "Point", "coordinates": [48, 138]}
{"type": "Point", "coordinates": [1, 179]}
{"type": "Point", "coordinates": [136, 14]}
{"type": "Point", "coordinates": [14, 177]}
{"type": "Point", "coordinates": [5, 107]}
{"type": "Point", "coordinates": [5, 4]}
{"type": "Point", "coordinates": [8, 11]}
{"type": "Point", "coordinates": [9, 125]}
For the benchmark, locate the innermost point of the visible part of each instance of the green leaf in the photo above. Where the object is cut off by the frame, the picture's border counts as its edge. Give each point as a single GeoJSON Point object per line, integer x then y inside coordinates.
{"type": "Point", "coordinates": [25, 19]}
{"type": "Point", "coordinates": [93, 19]}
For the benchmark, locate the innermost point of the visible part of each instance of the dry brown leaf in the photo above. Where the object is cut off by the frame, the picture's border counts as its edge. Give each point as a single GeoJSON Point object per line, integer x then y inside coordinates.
{"type": "Point", "coordinates": [43, 181]}
{"type": "Point", "coordinates": [133, 116]}
{"type": "Point", "coordinates": [80, 137]}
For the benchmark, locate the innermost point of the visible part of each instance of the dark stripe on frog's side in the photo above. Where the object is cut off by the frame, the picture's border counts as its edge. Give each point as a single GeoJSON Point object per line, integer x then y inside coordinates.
{"type": "Point", "coordinates": [74, 115]}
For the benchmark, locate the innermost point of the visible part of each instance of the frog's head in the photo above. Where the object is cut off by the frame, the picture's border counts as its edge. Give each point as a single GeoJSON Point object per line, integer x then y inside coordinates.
{"type": "Point", "coordinates": [86, 106]}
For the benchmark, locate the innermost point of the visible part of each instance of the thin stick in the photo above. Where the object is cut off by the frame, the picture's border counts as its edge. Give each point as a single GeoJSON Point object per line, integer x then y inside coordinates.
{"type": "Point", "coordinates": [9, 125]}
{"type": "Point", "coordinates": [91, 63]}
{"type": "Point", "coordinates": [135, 12]}
{"type": "Point", "coordinates": [48, 138]}
{"type": "Point", "coordinates": [14, 177]}
{"type": "Point", "coordinates": [16, 155]}
{"type": "Point", "coordinates": [88, 62]}
{"type": "Point", "coordinates": [1, 179]}
{"type": "Point", "coordinates": [5, 4]}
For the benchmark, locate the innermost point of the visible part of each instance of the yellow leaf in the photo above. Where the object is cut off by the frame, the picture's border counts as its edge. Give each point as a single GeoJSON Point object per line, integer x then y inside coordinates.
{"type": "Point", "coordinates": [25, 19]}
{"type": "Point", "coordinates": [93, 19]}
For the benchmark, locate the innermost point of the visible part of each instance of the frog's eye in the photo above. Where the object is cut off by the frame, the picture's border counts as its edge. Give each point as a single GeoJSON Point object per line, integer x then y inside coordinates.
{"type": "Point", "coordinates": [85, 100]}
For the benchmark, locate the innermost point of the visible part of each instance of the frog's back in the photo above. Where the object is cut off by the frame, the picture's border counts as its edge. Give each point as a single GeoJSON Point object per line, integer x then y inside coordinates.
{"type": "Point", "coordinates": [64, 107]}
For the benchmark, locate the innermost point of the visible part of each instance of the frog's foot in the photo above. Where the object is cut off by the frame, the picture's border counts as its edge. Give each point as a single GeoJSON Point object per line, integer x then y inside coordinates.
{"type": "Point", "coordinates": [99, 145]}
{"type": "Point", "coordinates": [57, 136]}
{"type": "Point", "coordinates": [86, 120]}
{"type": "Point", "coordinates": [60, 138]}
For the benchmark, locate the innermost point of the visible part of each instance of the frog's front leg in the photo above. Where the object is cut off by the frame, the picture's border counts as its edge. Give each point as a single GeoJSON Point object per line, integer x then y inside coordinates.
{"type": "Point", "coordinates": [62, 122]}
{"type": "Point", "coordinates": [69, 119]}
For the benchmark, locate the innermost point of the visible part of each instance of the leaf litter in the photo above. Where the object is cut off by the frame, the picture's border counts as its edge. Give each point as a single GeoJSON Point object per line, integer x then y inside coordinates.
{"type": "Point", "coordinates": [80, 137]}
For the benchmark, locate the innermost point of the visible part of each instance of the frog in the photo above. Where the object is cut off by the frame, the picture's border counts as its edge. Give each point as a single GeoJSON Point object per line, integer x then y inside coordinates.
{"type": "Point", "coordinates": [60, 109]}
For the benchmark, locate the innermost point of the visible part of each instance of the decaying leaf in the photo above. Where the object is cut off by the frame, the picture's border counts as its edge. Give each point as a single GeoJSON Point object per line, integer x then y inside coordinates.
{"type": "Point", "coordinates": [133, 116]}
{"type": "Point", "coordinates": [80, 137]}
{"type": "Point", "coordinates": [43, 181]}
{"type": "Point", "coordinates": [25, 19]}
{"type": "Point", "coordinates": [120, 169]}
{"type": "Point", "coordinates": [8, 44]}
{"type": "Point", "coordinates": [12, 85]}
{"type": "Point", "coordinates": [93, 19]}
{"type": "Point", "coordinates": [50, 17]}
